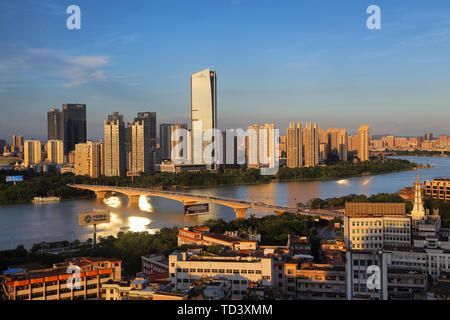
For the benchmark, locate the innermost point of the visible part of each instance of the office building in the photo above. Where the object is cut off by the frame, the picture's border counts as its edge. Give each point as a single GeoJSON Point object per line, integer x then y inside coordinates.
{"type": "Point", "coordinates": [203, 112]}
{"type": "Point", "coordinates": [32, 152]}
{"type": "Point", "coordinates": [55, 151]}
{"type": "Point", "coordinates": [89, 159]}
{"type": "Point", "coordinates": [363, 143]}
{"type": "Point", "coordinates": [370, 226]}
{"type": "Point", "coordinates": [140, 147]}
{"type": "Point", "coordinates": [294, 145]}
{"type": "Point", "coordinates": [114, 146]}
{"type": "Point", "coordinates": [310, 139]}
{"type": "Point", "coordinates": [55, 125]}
{"type": "Point", "coordinates": [74, 128]}
{"type": "Point", "coordinates": [167, 142]}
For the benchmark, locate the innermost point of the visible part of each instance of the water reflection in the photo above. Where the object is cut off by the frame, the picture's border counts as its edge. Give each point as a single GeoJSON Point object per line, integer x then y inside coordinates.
{"type": "Point", "coordinates": [113, 202]}
{"type": "Point", "coordinates": [138, 224]}
{"type": "Point", "coordinates": [28, 224]}
{"type": "Point", "coordinates": [144, 204]}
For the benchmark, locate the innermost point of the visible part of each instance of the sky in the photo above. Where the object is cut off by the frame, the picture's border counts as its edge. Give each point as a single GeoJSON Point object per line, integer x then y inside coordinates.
{"type": "Point", "coordinates": [276, 61]}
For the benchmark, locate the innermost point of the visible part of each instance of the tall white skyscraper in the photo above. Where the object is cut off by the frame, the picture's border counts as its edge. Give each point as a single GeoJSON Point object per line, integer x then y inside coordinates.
{"type": "Point", "coordinates": [203, 110]}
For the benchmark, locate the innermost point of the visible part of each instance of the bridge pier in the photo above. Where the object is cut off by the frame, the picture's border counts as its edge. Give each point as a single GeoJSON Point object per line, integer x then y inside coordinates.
{"type": "Point", "coordinates": [133, 200]}
{"type": "Point", "coordinates": [100, 195]}
{"type": "Point", "coordinates": [240, 212]}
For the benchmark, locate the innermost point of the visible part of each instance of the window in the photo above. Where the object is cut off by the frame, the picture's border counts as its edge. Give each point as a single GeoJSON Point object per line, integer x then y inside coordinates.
{"type": "Point", "coordinates": [244, 271]}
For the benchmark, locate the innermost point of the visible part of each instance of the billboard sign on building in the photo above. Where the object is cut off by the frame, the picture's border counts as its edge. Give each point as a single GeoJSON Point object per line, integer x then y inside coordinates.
{"type": "Point", "coordinates": [133, 173]}
{"type": "Point", "coordinates": [195, 209]}
{"type": "Point", "coordinates": [14, 178]}
{"type": "Point", "coordinates": [89, 218]}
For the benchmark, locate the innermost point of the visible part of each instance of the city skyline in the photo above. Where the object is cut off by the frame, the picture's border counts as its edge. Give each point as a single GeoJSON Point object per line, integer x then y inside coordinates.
{"type": "Point", "coordinates": [395, 77]}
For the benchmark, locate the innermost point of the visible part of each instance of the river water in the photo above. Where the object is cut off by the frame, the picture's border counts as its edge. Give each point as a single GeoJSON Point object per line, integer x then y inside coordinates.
{"type": "Point", "coordinates": [33, 223]}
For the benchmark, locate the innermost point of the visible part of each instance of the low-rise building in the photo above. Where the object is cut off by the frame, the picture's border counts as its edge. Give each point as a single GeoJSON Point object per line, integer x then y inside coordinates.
{"type": "Point", "coordinates": [56, 283]}
{"type": "Point", "coordinates": [200, 236]}
{"type": "Point", "coordinates": [240, 271]}
{"type": "Point", "coordinates": [155, 266]}
{"type": "Point", "coordinates": [439, 188]}
{"type": "Point", "coordinates": [309, 281]}
{"type": "Point", "coordinates": [369, 226]}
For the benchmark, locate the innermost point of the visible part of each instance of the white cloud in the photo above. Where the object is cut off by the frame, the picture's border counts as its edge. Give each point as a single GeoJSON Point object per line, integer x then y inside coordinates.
{"type": "Point", "coordinates": [72, 70]}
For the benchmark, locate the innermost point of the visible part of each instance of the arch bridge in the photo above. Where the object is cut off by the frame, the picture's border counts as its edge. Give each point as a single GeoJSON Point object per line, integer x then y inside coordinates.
{"type": "Point", "coordinates": [240, 207]}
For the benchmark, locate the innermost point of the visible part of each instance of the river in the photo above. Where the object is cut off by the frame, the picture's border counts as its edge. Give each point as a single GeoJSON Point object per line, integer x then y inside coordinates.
{"type": "Point", "coordinates": [33, 223]}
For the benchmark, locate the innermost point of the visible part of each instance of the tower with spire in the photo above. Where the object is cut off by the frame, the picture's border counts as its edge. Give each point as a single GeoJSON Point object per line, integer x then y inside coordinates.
{"type": "Point", "coordinates": [418, 211]}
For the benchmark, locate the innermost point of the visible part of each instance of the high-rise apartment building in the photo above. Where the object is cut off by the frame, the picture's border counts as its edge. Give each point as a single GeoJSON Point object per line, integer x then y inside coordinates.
{"type": "Point", "coordinates": [166, 130]}
{"type": "Point", "coordinates": [114, 147]}
{"type": "Point", "coordinates": [259, 147]}
{"type": "Point", "coordinates": [140, 147]}
{"type": "Point", "coordinates": [55, 151]}
{"type": "Point", "coordinates": [363, 143]}
{"type": "Point", "coordinates": [294, 145]}
{"type": "Point", "coordinates": [353, 142]}
{"type": "Point", "coordinates": [17, 143]}
{"type": "Point", "coordinates": [55, 125]}
{"type": "Point", "coordinates": [203, 111]}
{"type": "Point", "coordinates": [283, 147]}
{"type": "Point", "coordinates": [149, 119]}
{"type": "Point", "coordinates": [89, 159]}
{"type": "Point", "coordinates": [74, 130]}
{"type": "Point", "coordinates": [337, 143]}
{"type": "Point", "coordinates": [310, 139]}
{"type": "Point", "coordinates": [32, 152]}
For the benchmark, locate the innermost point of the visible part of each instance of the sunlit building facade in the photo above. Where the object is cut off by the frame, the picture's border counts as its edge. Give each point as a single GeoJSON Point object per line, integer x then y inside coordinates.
{"type": "Point", "coordinates": [55, 151]}
{"type": "Point", "coordinates": [32, 152]}
{"type": "Point", "coordinates": [363, 143]}
{"type": "Point", "coordinates": [203, 110]}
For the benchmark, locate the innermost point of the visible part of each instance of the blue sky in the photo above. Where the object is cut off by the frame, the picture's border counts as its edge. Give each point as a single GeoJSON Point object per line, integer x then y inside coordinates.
{"type": "Point", "coordinates": [276, 61]}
